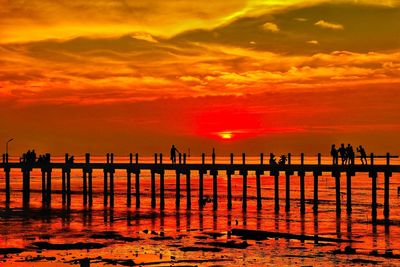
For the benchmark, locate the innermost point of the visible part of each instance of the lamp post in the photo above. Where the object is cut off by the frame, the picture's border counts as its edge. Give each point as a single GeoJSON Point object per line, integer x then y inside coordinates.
{"type": "Point", "coordinates": [7, 145]}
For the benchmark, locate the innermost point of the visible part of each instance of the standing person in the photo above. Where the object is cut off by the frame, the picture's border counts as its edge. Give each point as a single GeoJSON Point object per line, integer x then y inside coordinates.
{"type": "Point", "coordinates": [174, 150]}
{"type": "Point", "coordinates": [335, 155]}
{"type": "Point", "coordinates": [342, 153]}
{"type": "Point", "coordinates": [363, 155]}
{"type": "Point", "coordinates": [350, 154]}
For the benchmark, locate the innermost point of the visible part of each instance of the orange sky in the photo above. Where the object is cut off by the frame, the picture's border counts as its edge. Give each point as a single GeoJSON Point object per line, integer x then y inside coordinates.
{"type": "Point", "coordinates": [253, 76]}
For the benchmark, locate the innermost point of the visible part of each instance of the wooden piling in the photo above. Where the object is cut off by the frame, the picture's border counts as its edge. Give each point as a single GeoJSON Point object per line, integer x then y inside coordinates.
{"type": "Point", "coordinates": [348, 192]}
{"type": "Point", "coordinates": [44, 187]}
{"type": "Point", "coordinates": [48, 189]}
{"type": "Point", "coordinates": [112, 171]}
{"type": "Point", "coordinates": [215, 189]}
{"type": "Point", "coordinates": [84, 188]}
{"type": "Point", "coordinates": [128, 188]}
{"type": "Point", "coordinates": [162, 193]}
{"type": "Point", "coordinates": [68, 173]}
{"type": "Point", "coordinates": [178, 189]}
{"type": "Point", "coordinates": [373, 174]}
{"type": "Point", "coordinates": [201, 181]}
{"type": "Point", "coordinates": [387, 174]}
{"type": "Point", "coordinates": [26, 188]}
{"type": "Point", "coordinates": [188, 191]}
{"type": "Point", "coordinates": [276, 190]}
{"type": "Point", "coordinates": [287, 184]}
{"type": "Point", "coordinates": [8, 187]}
{"type": "Point", "coordinates": [137, 188]}
{"type": "Point", "coordinates": [244, 187]}
{"type": "Point", "coordinates": [337, 190]}
{"type": "Point", "coordinates": [258, 182]}
{"type": "Point", "coordinates": [316, 175]}
{"type": "Point", "coordinates": [90, 187]}
{"type": "Point", "coordinates": [153, 189]}
{"type": "Point", "coordinates": [105, 182]}
{"type": "Point", "coordinates": [229, 184]}
{"type": "Point", "coordinates": [63, 188]}
{"type": "Point", "coordinates": [302, 187]}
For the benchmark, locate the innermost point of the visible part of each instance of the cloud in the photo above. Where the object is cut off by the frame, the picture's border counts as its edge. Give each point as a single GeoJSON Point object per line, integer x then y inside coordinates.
{"type": "Point", "coordinates": [269, 26]}
{"type": "Point", "coordinates": [329, 25]}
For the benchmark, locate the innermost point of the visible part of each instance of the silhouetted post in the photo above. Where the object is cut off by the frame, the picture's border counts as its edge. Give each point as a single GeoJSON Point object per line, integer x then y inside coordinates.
{"type": "Point", "coordinates": [316, 175]}
{"type": "Point", "coordinates": [128, 187]}
{"type": "Point", "coordinates": [26, 186]}
{"type": "Point", "coordinates": [373, 174]}
{"type": "Point", "coordinates": [49, 187]}
{"type": "Point", "coordinates": [287, 183]}
{"type": "Point", "coordinates": [84, 188]}
{"type": "Point", "coordinates": [137, 188]}
{"type": "Point", "coordinates": [184, 158]}
{"type": "Point", "coordinates": [188, 191]}
{"type": "Point", "coordinates": [130, 158]}
{"type": "Point", "coordinates": [108, 158]}
{"type": "Point", "coordinates": [153, 189]}
{"type": "Point", "coordinates": [162, 194]}
{"type": "Point", "coordinates": [44, 187]}
{"type": "Point", "coordinates": [348, 192]}
{"type": "Point", "coordinates": [63, 188]}
{"type": "Point", "coordinates": [229, 183]}
{"type": "Point", "coordinates": [388, 174]}
{"type": "Point", "coordinates": [201, 178]}
{"type": "Point", "coordinates": [258, 183]}
{"type": "Point", "coordinates": [8, 187]}
{"type": "Point", "coordinates": [214, 174]}
{"type": "Point", "coordinates": [112, 186]}
{"type": "Point", "coordinates": [68, 173]}
{"type": "Point", "coordinates": [106, 184]}
{"type": "Point", "coordinates": [276, 190]}
{"type": "Point", "coordinates": [337, 190]}
{"type": "Point", "coordinates": [90, 179]}
{"type": "Point", "coordinates": [244, 188]}
{"type": "Point", "coordinates": [180, 158]}
{"type": "Point", "coordinates": [178, 189]}
{"type": "Point", "coordinates": [302, 186]}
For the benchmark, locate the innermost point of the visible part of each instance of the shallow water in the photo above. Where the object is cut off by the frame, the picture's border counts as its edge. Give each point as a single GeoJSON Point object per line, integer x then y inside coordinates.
{"type": "Point", "coordinates": [176, 230]}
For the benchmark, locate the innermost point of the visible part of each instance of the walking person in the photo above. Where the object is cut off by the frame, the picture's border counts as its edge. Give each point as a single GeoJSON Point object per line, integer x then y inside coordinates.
{"type": "Point", "coordinates": [350, 154]}
{"type": "Point", "coordinates": [335, 155]}
{"type": "Point", "coordinates": [363, 155]}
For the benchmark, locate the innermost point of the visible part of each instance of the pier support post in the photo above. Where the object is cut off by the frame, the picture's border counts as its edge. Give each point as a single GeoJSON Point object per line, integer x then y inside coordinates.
{"type": "Point", "coordinates": [201, 181]}
{"type": "Point", "coordinates": [48, 188]}
{"type": "Point", "coordinates": [287, 183]}
{"type": "Point", "coordinates": [44, 188]}
{"type": "Point", "coordinates": [275, 173]}
{"type": "Point", "coordinates": [229, 173]}
{"type": "Point", "coordinates": [63, 188]}
{"type": "Point", "coordinates": [302, 187]}
{"type": "Point", "coordinates": [258, 182]}
{"type": "Point", "coordinates": [337, 190]}
{"type": "Point", "coordinates": [214, 174]}
{"type": "Point", "coordinates": [137, 188]}
{"type": "Point", "coordinates": [68, 173]}
{"type": "Point", "coordinates": [244, 173]}
{"type": "Point", "coordinates": [128, 188]}
{"type": "Point", "coordinates": [153, 189]}
{"type": "Point", "coordinates": [26, 187]}
{"type": "Point", "coordinates": [8, 187]}
{"type": "Point", "coordinates": [373, 174]}
{"type": "Point", "coordinates": [112, 171]}
{"type": "Point", "coordinates": [105, 187]}
{"type": "Point", "coordinates": [84, 188]}
{"type": "Point", "coordinates": [316, 173]}
{"type": "Point", "coordinates": [178, 189]}
{"type": "Point", "coordinates": [90, 187]}
{"type": "Point", "coordinates": [388, 174]}
{"type": "Point", "coordinates": [188, 191]}
{"type": "Point", "coordinates": [162, 193]}
{"type": "Point", "coordinates": [349, 175]}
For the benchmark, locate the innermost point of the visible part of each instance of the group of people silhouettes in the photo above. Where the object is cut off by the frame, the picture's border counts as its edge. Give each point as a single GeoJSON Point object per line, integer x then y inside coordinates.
{"type": "Point", "coordinates": [347, 154]}
{"type": "Point", "coordinates": [30, 157]}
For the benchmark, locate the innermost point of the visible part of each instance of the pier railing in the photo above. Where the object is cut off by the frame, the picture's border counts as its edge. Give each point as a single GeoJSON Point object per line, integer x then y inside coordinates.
{"type": "Point", "coordinates": [213, 168]}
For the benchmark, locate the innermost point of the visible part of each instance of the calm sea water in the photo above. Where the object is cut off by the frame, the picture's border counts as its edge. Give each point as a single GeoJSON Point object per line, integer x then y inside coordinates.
{"type": "Point", "coordinates": [192, 228]}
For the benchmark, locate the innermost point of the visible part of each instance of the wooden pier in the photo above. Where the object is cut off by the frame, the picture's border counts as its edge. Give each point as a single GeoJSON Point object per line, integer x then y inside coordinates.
{"type": "Point", "coordinates": [184, 169]}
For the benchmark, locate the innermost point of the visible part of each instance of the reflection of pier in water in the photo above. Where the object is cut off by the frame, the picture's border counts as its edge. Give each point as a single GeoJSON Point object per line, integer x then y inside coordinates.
{"type": "Point", "coordinates": [183, 168]}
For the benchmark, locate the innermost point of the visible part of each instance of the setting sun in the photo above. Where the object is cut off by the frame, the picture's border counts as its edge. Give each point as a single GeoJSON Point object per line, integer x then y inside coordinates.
{"type": "Point", "coordinates": [226, 135]}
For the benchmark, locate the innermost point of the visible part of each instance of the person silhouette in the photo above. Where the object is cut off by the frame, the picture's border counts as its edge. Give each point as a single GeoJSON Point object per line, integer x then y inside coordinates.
{"type": "Point", "coordinates": [335, 155]}
{"type": "Point", "coordinates": [343, 154]}
{"type": "Point", "coordinates": [174, 150]}
{"type": "Point", "coordinates": [282, 160]}
{"type": "Point", "coordinates": [363, 155]}
{"type": "Point", "coordinates": [350, 154]}
{"type": "Point", "coordinates": [272, 160]}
